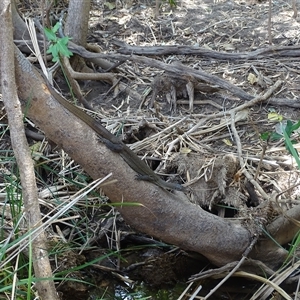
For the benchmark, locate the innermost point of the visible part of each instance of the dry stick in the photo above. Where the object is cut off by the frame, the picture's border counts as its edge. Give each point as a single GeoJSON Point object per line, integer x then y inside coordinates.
{"type": "Point", "coordinates": [294, 221]}
{"type": "Point", "coordinates": [263, 152]}
{"type": "Point", "coordinates": [273, 283]}
{"type": "Point", "coordinates": [262, 53]}
{"type": "Point", "coordinates": [173, 68]}
{"type": "Point", "coordinates": [262, 155]}
{"type": "Point", "coordinates": [248, 104]}
{"type": "Point", "coordinates": [245, 254]}
{"type": "Point", "coordinates": [108, 77]}
{"type": "Point", "coordinates": [73, 75]}
{"type": "Point", "coordinates": [40, 260]}
{"type": "Point", "coordinates": [225, 269]}
{"type": "Point", "coordinates": [113, 79]}
{"type": "Point", "coordinates": [252, 102]}
{"type": "Point", "coordinates": [294, 5]}
{"type": "Point", "coordinates": [150, 139]}
{"type": "Point", "coordinates": [269, 22]}
{"type": "Point", "coordinates": [212, 272]}
{"type": "Point", "coordinates": [242, 163]}
{"type": "Point", "coordinates": [43, 22]}
{"type": "Point", "coordinates": [237, 140]}
{"type": "Point", "coordinates": [265, 281]}
{"type": "Point", "coordinates": [185, 291]}
{"type": "Point", "coordinates": [67, 70]}
{"type": "Point", "coordinates": [47, 15]}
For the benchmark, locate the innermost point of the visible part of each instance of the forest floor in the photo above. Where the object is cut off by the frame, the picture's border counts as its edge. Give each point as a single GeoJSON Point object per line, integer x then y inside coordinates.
{"type": "Point", "coordinates": [217, 26]}
{"type": "Point", "coordinates": [226, 27]}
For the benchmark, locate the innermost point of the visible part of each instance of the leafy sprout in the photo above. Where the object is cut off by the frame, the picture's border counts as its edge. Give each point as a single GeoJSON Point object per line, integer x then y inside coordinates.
{"type": "Point", "coordinates": [58, 46]}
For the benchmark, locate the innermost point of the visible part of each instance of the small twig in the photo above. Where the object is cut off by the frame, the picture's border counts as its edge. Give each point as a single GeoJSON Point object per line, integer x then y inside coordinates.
{"type": "Point", "coordinates": [112, 88]}
{"type": "Point", "coordinates": [262, 155]}
{"type": "Point", "coordinates": [245, 254]}
{"type": "Point", "coordinates": [264, 149]}
{"type": "Point", "coordinates": [67, 70]}
{"type": "Point", "coordinates": [150, 27]}
{"type": "Point", "coordinates": [47, 13]}
{"type": "Point", "coordinates": [237, 139]}
{"type": "Point", "coordinates": [294, 5]}
{"type": "Point", "coordinates": [248, 104]}
{"type": "Point", "coordinates": [114, 66]}
{"type": "Point", "coordinates": [294, 221]}
{"type": "Point", "coordinates": [240, 156]}
{"type": "Point", "coordinates": [269, 22]}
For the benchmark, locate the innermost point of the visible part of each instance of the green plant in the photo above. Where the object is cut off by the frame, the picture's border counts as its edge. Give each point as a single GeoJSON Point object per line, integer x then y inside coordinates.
{"type": "Point", "coordinates": [293, 247]}
{"type": "Point", "coordinates": [286, 129]}
{"type": "Point", "coordinates": [172, 3]}
{"type": "Point", "coordinates": [58, 46]}
{"type": "Point", "coordinates": [14, 264]}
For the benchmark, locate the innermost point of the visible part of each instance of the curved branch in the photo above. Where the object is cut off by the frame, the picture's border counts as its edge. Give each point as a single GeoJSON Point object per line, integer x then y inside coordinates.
{"type": "Point", "coordinates": [167, 216]}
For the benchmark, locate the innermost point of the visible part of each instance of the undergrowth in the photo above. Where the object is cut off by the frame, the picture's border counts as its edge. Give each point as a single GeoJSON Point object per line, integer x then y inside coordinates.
{"type": "Point", "coordinates": [72, 209]}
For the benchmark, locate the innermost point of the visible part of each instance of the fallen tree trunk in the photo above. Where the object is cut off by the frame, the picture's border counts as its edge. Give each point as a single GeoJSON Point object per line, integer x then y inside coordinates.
{"type": "Point", "coordinates": [164, 215]}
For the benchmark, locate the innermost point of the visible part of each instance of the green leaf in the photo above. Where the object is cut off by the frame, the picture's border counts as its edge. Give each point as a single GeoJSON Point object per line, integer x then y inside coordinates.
{"type": "Point", "coordinates": [59, 46]}
{"type": "Point", "coordinates": [62, 47]}
{"type": "Point", "coordinates": [289, 127]}
{"type": "Point", "coordinates": [109, 5]}
{"type": "Point", "coordinates": [172, 3]}
{"type": "Point", "coordinates": [296, 126]}
{"type": "Point", "coordinates": [56, 27]}
{"type": "Point", "coordinates": [66, 52]}
{"type": "Point", "coordinates": [265, 135]}
{"type": "Point", "coordinates": [64, 40]}
{"type": "Point", "coordinates": [289, 146]}
{"type": "Point", "coordinates": [54, 50]}
{"type": "Point", "coordinates": [51, 36]}
{"type": "Point", "coordinates": [275, 136]}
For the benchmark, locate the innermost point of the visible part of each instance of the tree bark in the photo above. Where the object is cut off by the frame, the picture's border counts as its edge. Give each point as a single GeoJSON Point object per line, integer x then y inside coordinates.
{"type": "Point", "coordinates": [167, 216]}
{"type": "Point", "coordinates": [77, 21]}
{"type": "Point", "coordinates": [40, 260]}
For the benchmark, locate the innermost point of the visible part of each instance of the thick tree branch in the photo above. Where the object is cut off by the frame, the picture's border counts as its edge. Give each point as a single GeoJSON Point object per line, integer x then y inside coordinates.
{"type": "Point", "coordinates": [170, 217]}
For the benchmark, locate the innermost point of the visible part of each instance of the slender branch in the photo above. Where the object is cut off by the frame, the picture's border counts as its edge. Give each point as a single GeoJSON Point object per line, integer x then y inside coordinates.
{"type": "Point", "coordinates": [40, 259]}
